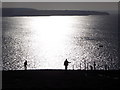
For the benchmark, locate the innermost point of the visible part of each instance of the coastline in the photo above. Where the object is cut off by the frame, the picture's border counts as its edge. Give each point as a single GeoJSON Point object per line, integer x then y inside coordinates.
{"type": "Point", "coordinates": [33, 12]}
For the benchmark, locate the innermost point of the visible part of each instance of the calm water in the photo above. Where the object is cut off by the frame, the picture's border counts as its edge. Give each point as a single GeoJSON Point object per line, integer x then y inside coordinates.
{"type": "Point", "coordinates": [45, 42]}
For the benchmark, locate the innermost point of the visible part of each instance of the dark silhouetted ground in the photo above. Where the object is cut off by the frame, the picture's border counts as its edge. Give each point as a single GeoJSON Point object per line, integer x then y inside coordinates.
{"type": "Point", "coordinates": [46, 79]}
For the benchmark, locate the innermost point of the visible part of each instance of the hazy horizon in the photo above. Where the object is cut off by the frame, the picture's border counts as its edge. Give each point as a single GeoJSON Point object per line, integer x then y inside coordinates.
{"type": "Point", "coordinates": [90, 6]}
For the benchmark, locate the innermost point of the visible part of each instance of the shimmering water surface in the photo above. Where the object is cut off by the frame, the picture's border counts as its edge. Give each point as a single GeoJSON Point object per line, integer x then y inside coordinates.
{"type": "Point", "coordinates": [46, 41]}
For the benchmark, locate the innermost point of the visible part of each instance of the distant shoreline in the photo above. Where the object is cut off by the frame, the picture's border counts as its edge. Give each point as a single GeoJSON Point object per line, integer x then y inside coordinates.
{"type": "Point", "coordinates": [34, 12]}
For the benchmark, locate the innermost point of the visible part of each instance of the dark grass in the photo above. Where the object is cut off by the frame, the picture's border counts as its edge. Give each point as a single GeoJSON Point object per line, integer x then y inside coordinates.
{"type": "Point", "coordinates": [45, 79]}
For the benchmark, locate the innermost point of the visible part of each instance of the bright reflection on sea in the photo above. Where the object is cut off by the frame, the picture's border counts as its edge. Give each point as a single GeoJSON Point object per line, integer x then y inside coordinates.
{"type": "Point", "coordinates": [51, 41]}
{"type": "Point", "coordinates": [46, 41]}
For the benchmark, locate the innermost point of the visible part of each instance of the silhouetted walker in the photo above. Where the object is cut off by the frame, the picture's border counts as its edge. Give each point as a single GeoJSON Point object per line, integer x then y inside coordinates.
{"type": "Point", "coordinates": [66, 64]}
{"type": "Point", "coordinates": [94, 65]}
{"type": "Point", "coordinates": [91, 67]}
{"type": "Point", "coordinates": [106, 67]}
{"type": "Point", "coordinates": [25, 64]}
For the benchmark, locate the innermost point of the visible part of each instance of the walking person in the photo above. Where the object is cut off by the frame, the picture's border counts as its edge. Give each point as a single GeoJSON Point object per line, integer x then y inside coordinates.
{"type": "Point", "coordinates": [94, 64]}
{"type": "Point", "coordinates": [66, 64]}
{"type": "Point", "coordinates": [91, 67]}
{"type": "Point", "coordinates": [25, 65]}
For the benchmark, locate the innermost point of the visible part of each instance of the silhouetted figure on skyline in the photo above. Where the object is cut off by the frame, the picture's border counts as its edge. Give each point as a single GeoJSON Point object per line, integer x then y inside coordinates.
{"type": "Point", "coordinates": [66, 64]}
{"type": "Point", "coordinates": [106, 67]}
{"type": "Point", "coordinates": [25, 64]}
{"type": "Point", "coordinates": [91, 67]}
{"type": "Point", "coordinates": [94, 66]}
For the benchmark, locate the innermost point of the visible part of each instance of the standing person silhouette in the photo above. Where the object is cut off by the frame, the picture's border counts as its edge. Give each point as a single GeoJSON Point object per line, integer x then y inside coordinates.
{"type": "Point", "coordinates": [66, 64]}
{"type": "Point", "coordinates": [25, 64]}
{"type": "Point", "coordinates": [91, 67]}
{"type": "Point", "coordinates": [94, 64]}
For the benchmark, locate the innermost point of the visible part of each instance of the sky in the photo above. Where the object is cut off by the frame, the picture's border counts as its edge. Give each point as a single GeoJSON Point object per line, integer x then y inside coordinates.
{"type": "Point", "coordinates": [104, 6]}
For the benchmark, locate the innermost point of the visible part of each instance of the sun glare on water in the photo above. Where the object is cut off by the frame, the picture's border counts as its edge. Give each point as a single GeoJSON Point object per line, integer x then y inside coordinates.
{"type": "Point", "coordinates": [50, 36]}
{"type": "Point", "coordinates": [47, 41]}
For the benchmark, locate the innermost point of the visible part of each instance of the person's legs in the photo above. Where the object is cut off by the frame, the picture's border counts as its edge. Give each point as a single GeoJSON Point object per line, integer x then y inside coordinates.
{"type": "Point", "coordinates": [25, 67]}
{"type": "Point", "coordinates": [65, 67]}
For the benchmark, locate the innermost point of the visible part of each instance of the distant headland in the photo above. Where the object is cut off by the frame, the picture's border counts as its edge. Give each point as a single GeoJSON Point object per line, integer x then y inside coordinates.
{"type": "Point", "coordinates": [35, 12]}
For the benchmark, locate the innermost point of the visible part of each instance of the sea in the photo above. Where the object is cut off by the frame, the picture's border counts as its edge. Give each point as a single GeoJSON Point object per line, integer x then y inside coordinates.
{"type": "Point", "coordinates": [47, 41]}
